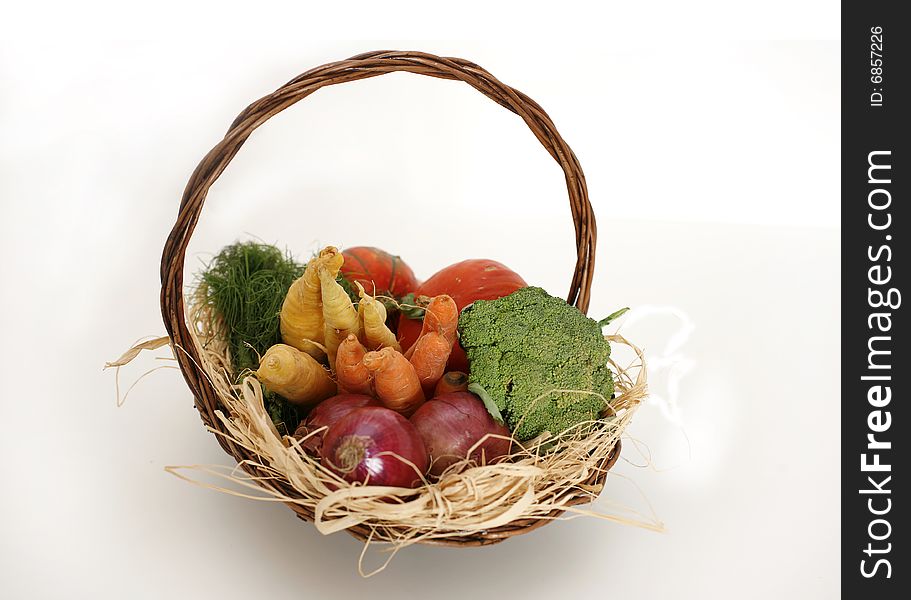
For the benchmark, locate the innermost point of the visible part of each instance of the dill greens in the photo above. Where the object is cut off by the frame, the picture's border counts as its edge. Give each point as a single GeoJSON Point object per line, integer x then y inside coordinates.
{"type": "Point", "coordinates": [246, 283]}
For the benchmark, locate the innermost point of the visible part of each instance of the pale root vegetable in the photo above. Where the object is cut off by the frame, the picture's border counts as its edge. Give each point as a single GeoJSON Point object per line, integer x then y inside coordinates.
{"type": "Point", "coordinates": [350, 371]}
{"type": "Point", "coordinates": [394, 380]}
{"type": "Point", "coordinates": [431, 352]}
{"type": "Point", "coordinates": [339, 314]}
{"type": "Point", "coordinates": [301, 316]}
{"type": "Point", "coordinates": [372, 316]}
{"type": "Point", "coordinates": [295, 375]}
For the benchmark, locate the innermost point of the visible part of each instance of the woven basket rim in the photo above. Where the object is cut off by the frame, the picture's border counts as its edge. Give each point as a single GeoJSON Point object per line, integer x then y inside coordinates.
{"type": "Point", "coordinates": [363, 66]}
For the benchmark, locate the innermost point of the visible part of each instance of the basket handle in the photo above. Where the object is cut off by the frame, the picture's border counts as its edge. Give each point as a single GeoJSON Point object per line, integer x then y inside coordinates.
{"type": "Point", "coordinates": [362, 66]}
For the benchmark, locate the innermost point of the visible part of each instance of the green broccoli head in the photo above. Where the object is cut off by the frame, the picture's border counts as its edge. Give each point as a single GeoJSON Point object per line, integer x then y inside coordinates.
{"type": "Point", "coordinates": [524, 346]}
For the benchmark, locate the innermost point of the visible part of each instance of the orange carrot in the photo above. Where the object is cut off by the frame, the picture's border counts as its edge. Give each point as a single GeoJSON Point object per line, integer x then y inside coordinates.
{"type": "Point", "coordinates": [431, 352]}
{"type": "Point", "coordinates": [349, 367]}
{"type": "Point", "coordinates": [396, 384]}
{"type": "Point", "coordinates": [452, 381]}
{"type": "Point", "coordinates": [441, 316]}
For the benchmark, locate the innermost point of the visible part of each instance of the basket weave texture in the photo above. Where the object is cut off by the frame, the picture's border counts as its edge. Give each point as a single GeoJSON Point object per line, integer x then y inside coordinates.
{"type": "Point", "coordinates": [363, 66]}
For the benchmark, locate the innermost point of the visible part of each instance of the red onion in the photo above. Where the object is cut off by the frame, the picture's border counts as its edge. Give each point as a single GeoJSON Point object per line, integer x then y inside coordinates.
{"type": "Point", "coordinates": [327, 413]}
{"type": "Point", "coordinates": [452, 423]}
{"type": "Point", "coordinates": [368, 444]}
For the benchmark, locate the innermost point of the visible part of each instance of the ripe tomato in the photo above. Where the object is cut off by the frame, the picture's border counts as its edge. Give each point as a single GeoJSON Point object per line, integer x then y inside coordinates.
{"type": "Point", "coordinates": [466, 281]}
{"type": "Point", "coordinates": [379, 270]}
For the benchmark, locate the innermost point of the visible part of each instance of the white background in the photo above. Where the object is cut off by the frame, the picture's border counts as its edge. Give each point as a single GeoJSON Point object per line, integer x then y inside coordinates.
{"type": "Point", "coordinates": [709, 138]}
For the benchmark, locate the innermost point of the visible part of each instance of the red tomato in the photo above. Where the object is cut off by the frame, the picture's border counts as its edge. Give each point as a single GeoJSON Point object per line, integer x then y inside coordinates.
{"type": "Point", "coordinates": [467, 281]}
{"type": "Point", "coordinates": [379, 270]}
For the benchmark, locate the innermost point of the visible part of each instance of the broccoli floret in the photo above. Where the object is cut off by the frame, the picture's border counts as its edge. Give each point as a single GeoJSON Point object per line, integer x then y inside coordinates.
{"type": "Point", "coordinates": [523, 346]}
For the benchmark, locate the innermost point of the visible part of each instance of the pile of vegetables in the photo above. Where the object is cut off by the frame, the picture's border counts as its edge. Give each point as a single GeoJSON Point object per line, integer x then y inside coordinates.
{"type": "Point", "coordinates": [387, 380]}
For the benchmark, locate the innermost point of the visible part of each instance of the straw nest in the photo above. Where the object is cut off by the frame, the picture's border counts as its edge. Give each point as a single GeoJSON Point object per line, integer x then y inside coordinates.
{"type": "Point", "coordinates": [469, 505]}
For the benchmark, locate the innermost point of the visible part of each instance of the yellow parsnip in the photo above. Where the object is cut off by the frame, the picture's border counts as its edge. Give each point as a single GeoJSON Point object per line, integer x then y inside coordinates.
{"type": "Point", "coordinates": [301, 316]}
{"type": "Point", "coordinates": [372, 316]}
{"type": "Point", "coordinates": [295, 375]}
{"type": "Point", "coordinates": [339, 314]}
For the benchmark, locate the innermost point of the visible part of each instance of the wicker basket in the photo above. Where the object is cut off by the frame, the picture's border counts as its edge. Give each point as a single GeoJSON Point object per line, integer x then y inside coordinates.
{"type": "Point", "coordinates": [366, 65]}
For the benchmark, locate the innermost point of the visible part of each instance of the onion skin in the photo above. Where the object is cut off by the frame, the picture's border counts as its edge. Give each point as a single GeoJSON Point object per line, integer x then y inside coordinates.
{"type": "Point", "coordinates": [451, 424]}
{"type": "Point", "coordinates": [326, 414]}
{"type": "Point", "coordinates": [364, 446]}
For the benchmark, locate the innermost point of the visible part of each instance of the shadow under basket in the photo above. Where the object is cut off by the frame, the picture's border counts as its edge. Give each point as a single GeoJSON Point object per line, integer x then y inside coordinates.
{"type": "Point", "coordinates": [208, 371]}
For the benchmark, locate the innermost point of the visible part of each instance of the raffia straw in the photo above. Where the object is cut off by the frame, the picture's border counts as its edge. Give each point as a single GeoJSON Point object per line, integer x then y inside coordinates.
{"type": "Point", "coordinates": [142, 344]}
{"type": "Point", "coordinates": [468, 498]}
